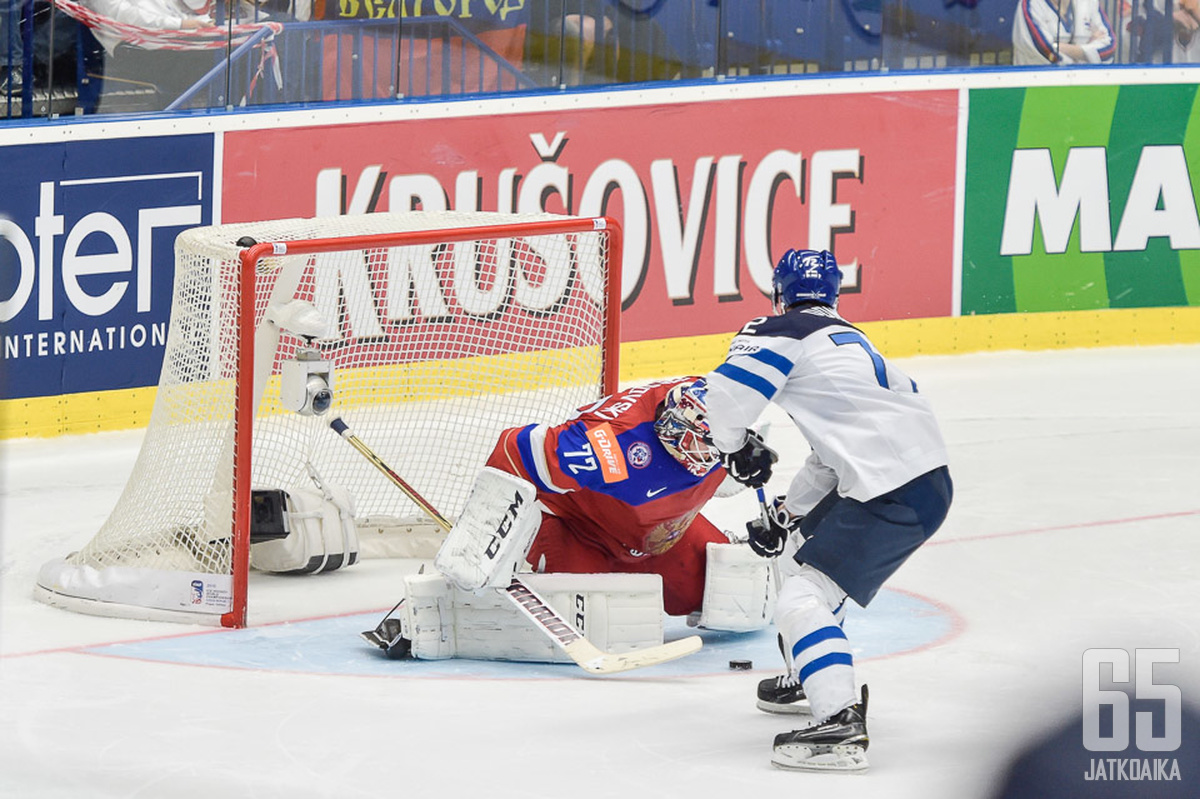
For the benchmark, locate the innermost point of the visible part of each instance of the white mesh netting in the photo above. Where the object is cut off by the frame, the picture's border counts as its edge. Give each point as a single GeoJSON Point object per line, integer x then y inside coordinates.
{"type": "Point", "coordinates": [434, 349]}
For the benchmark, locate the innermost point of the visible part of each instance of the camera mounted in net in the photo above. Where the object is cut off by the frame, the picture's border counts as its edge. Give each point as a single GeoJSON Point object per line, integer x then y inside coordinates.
{"type": "Point", "coordinates": [306, 383]}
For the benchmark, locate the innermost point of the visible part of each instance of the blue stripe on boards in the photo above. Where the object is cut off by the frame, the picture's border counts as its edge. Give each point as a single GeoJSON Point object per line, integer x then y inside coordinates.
{"type": "Point", "coordinates": [824, 662]}
{"type": "Point", "coordinates": [774, 360]}
{"type": "Point", "coordinates": [816, 637]}
{"type": "Point", "coordinates": [525, 447]}
{"type": "Point", "coordinates": [748, 379]}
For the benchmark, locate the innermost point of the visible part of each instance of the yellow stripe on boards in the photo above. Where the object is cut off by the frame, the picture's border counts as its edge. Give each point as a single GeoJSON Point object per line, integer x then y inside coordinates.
{"type": "Point", "coordinates": [69, 414]}
{"type": "Point", "coordinates": [647, 360]}
{"type": "Point", "coordinates": [97, 411]}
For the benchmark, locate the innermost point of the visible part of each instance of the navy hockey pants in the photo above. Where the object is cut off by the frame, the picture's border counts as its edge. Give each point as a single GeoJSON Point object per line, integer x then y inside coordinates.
{"type": "Point", "coordinates": [859, 545]}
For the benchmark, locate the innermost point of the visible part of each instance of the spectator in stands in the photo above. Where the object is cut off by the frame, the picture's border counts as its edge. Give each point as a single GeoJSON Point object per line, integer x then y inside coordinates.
{"type": "Point", "coordinates": [1061, 32]}
{"type": "Point", "coordinates": [161, 48]}
{"type": "Point", "coordinates": [12, 48]}
{"type": "Point", "coordinates": [1156, 34]}
{"type": "Point", "coordinates": [147, 73]}
{"type": "Point", "coordinates": [582, 42]}
{"type": "Point", "coordinates": [153, 14]}
{"type": "Point", "coordinates": [1187, 25]}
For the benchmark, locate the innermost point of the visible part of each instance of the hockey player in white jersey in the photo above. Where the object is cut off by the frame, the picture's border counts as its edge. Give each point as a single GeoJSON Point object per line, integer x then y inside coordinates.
{"type": "Point", "coordinates": [875, 487]}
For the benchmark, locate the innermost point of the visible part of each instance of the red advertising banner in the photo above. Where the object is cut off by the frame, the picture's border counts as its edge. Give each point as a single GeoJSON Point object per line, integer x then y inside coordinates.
{"type": "Point", "coordinates": [710, 194]}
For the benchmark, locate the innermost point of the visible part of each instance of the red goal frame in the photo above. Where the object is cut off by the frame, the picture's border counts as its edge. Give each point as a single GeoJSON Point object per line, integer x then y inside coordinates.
{"type": "Point", "coordinates": [244, 394]}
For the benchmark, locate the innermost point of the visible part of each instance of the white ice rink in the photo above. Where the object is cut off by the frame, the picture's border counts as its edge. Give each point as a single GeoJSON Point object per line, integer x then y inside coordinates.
{"type": "Point", "coordinates": [1075, 524]}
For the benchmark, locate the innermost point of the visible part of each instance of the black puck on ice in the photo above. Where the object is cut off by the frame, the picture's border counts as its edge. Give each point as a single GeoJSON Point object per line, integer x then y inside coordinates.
{"type": "Point", "coordinates": [740, 665]}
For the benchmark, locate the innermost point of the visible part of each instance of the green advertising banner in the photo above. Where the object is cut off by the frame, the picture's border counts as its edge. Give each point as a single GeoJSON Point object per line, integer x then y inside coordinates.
{"type": "Point", "coordinates": [1079, 198]}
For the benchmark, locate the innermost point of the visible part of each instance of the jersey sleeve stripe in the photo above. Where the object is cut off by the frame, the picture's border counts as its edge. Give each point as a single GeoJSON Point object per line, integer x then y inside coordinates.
{"type": "Point", "coordinates": [531, 443]}
{"type": "Point", "coordinates": [747, 378]}
{"type": "Point", "coordinates": [1110, 49]}
{"type": "Point", "coordinates": [1040, 41]}
{"type": "Point", "coordinates": [774, 360]}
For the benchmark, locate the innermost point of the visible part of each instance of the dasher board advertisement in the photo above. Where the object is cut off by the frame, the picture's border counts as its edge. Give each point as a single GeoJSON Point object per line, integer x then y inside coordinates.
{"type": "Point", "coordinates": [709, 194]}
{"type": "Point", "coordinates": [87, 232]}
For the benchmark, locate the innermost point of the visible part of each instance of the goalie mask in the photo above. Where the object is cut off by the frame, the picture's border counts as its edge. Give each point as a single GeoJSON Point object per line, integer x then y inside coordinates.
{"type": "Point", "coordinates": [682, 427]}
{"type": "Point", "coordinates": [806, 275]}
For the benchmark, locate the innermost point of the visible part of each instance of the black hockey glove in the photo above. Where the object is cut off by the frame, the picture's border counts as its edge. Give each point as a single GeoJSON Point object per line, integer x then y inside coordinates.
{"type": "Point", "coordinates": [768, 535]}
{"type": "Point", "coordinates": [750, 465]}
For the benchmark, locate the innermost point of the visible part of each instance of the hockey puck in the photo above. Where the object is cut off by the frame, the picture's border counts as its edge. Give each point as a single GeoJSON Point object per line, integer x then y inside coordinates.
{"type": "Point", "coordinates": [740, 665]}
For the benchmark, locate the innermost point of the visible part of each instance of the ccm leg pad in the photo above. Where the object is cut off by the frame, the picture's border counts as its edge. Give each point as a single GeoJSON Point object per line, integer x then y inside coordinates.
{"type": "Point", "coordinates": [489, 541]}
{"type": "Point", "coordinates": [739, 590]}
{"type": "Point", "coordinates": [616, 612]}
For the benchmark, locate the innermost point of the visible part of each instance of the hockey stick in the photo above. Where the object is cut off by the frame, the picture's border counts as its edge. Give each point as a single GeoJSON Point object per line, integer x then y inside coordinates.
{"type": "Point", "coordinates": [586, 654]}
{"type": "Point", "coordinates": [764, 513]}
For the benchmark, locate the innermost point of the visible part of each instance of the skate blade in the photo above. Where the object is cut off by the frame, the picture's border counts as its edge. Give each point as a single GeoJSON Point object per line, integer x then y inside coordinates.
{"type": "Point", "coordinates": [798, 757]}
{"type": "Point", "coordinates": [800, 708]}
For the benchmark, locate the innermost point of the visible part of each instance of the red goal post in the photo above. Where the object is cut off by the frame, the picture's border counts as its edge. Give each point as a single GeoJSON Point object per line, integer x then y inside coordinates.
{"type": "Point", "coordinates": [435, 330]}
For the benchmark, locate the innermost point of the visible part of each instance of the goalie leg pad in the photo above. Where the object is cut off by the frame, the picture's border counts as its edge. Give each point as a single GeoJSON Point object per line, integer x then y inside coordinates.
{"type": "Point", "coordinates": [321, 535]}
{"type": "Point", "coordinates": [616, 612]}
{"type": "Point", "coordinates": [739, 589]}
{"type": "Point", "coordinates": [489, 541]}
{"type": "Point", "coordinates": [428, 617]}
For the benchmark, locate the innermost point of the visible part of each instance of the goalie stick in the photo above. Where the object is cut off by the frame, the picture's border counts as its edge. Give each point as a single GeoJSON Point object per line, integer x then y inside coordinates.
{"type": "Point", "coordinates": [583, 652]}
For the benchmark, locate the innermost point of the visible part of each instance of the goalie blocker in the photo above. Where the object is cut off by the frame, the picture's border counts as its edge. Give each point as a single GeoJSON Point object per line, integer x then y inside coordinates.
{"type": "Point", "coordinates": [487, 545]}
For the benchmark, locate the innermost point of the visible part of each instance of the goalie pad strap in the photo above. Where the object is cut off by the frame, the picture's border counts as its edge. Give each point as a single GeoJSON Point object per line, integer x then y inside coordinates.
{"type": "Point", "coordinates": [739, 589]}
{"type": "Point", "coordinates": [616, 612]}
{"type": "Point", "coordinates": [489, 541]}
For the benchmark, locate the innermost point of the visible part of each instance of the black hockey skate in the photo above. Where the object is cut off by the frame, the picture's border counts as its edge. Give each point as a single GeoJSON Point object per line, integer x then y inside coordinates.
{"type": "Point", "coordinates": [782, 694]}
{"type": "Point", "coordinates": [837, 744]}
{"type": "Point", "coordinates": [388, 635]}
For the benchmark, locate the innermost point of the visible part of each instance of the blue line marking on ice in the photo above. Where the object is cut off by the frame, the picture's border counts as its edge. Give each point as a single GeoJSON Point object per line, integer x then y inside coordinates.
{"type": "Point", "coordinates": [893, 624]}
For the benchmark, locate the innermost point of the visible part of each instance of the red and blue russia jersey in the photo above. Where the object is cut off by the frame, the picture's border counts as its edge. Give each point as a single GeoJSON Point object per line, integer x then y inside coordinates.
{"type": "Point", "coordinates": [605, 473]}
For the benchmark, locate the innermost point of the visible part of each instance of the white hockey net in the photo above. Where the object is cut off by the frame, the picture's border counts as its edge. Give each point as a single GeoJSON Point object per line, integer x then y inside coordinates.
{"type": "Point", "coordinates": [434, 347]}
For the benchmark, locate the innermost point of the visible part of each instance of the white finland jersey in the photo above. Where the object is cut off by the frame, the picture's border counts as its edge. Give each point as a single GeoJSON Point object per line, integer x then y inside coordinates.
{"type": "Point", "coordinates": [869, 428]}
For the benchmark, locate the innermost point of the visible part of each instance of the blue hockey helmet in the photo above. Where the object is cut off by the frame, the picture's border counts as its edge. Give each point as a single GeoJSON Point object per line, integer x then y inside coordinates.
{"type": "Point", "coordinates": [804, 275]}
{"type": "Point", "coordinates": [682, 427]}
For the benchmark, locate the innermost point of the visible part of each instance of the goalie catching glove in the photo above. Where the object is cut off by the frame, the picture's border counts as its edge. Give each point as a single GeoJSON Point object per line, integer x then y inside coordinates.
{"type": "Point", "coordinates": [304, 530]}
{"type": "Point", "coordinates": [769, 533]}
{"type": "Point", "coordinates": [750, 465]}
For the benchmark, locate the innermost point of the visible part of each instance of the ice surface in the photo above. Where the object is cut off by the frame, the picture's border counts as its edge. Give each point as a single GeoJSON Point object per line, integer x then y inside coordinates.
{"type": "Point", "coordinates": [1076, 524]}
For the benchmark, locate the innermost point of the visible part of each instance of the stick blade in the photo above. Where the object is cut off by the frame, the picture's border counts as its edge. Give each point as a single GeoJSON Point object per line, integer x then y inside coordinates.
{"type": "Point", "coordinates": [597, 661]}
{"type": "Point", "coordinates": [587, 655]}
